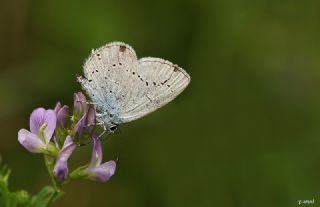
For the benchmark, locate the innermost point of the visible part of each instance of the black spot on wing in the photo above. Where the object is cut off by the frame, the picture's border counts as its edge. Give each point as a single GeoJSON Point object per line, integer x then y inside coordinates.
{"type": "Point", "coordinates": [140, 77]}
{"type": "Point", "coordinates": [122, 48]}
{"type": "Point", "coordinates": [164, 82]}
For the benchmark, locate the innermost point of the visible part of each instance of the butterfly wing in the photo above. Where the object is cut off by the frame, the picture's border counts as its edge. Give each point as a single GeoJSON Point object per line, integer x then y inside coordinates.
{"type": "Point", "coordinates": [108, 77]}
{"type": "Point", "coordinates": [159, 82]}
{"type": "Point", "coordinates": [127, 88]}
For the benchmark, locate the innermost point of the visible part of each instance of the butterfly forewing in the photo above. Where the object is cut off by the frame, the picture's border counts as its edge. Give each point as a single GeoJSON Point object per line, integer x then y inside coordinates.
{"type": "Point", "coordinates": [107, 72]}
{"type": "Point", "coordinates": [125, 88]}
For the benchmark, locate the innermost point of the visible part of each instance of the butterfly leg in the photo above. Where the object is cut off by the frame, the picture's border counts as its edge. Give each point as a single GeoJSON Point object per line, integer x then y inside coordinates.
{"type": "Point", "coordinates": [102, 124]}
{"type": "Point", "coordinates": [93, 124]}
{"type": "Point", "coordinates": [104, 131]}
{"type": "Point", "coordinates": [101, 114]}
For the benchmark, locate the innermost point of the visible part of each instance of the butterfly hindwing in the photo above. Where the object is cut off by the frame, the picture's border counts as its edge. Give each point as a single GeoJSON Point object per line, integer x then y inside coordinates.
{"type": "Point", "coordinates": [160, 82]}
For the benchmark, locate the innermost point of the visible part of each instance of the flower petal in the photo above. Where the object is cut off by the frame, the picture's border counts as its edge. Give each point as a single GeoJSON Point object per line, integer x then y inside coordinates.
{"type": "Point", "coordinates": [80, 105]}
{"type": "Point", "coordinates": [62, 116]}
{"type": "Point", "coordinates": [36, 120]}
{"type": "Point", "coordinates": [31, 141]}
{"type": "Point", "coordinates": [57, 107]}
{"type": "Point", "coordinates": [103, 172]}
{"type": "Point", "coordinates": [91, 118]}
{"type": "Point", "coordinates": [96, 156]}
{"type": "Point", "coordinates": [61, 167]}
{"type": "Point", "coordinates": [79, 127]}
{"type": "Point", "coordinates": [67, 149]}
{"type": "Point", "coordinates": [60, 170]}
{"type": "Point", "coordinates": [51, 120]}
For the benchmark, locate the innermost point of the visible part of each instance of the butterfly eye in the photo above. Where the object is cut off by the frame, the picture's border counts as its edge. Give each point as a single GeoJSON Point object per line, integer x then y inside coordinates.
{"type": "Point", "coordinates": [113, 128]}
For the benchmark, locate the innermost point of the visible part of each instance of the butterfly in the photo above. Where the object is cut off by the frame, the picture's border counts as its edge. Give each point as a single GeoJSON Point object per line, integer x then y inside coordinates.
{"type": "Point", "coordinates": [123, 88]}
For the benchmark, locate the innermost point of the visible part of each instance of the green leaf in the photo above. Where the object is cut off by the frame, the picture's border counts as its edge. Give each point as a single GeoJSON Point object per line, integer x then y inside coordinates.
{"type": "Point", "coordinates": [45, 197]}
{"type": "Point", "coordinates": [22, 198]}
{"type": "Point", "coordinates": [4, 194]}
{"type": "Point", "coordinates": [10, 199]}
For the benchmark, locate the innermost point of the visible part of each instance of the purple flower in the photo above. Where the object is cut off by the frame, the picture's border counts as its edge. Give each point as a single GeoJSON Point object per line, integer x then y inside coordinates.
{"type": "Point", "coordinates": [42, 126]}
{"type": "Point", "coordinates": [80, 105]}
{"type": "Point", "coordinates": [62, 121]}
{"type": "Point", "coordinates": [83, 116]}
{"type": "Point", "coordinates": [91, 119]}
{"type": "Point", "coordinates": [62, 114]}
{"type": "Point", "coordinates": [86, 122]}
{"type": "Point", "coordinates": [97, 171]}
{"type": "Point", "coordinates": [57, 107]}
{"type": "Point", "coordinates": [80, 126]}
{"type": "Point", "coordinates": [61, 168]}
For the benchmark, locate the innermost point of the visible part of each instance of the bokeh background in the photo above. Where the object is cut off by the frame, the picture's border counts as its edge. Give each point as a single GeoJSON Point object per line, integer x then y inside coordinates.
{"type": "Point", "coordinates": [246, 132]}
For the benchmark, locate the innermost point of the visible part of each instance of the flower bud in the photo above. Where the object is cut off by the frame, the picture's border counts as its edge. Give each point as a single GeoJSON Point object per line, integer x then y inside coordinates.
{"type": "Point", "coordinates": [91, 119]}
{"type": "Point", "coordinates": [80, 105]}
{"type": "Point", "coordinates": [62, 116]}
{"type": "Point", "coordinates": [62, 113]}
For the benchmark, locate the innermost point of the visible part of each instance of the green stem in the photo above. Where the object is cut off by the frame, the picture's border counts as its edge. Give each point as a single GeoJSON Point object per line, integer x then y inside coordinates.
{"type": "Point", "coordinates": [49, 161]}
{"type": "Point", "coordinates": [53, 196]}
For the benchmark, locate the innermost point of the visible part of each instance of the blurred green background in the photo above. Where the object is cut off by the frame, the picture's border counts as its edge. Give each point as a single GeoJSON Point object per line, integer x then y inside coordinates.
{"type": "Point", "coordinates": [244, 133]}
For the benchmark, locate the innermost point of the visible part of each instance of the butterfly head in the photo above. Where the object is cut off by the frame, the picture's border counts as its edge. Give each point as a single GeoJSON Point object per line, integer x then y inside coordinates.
{"type": "Point", "coordinates": [113, 128]}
